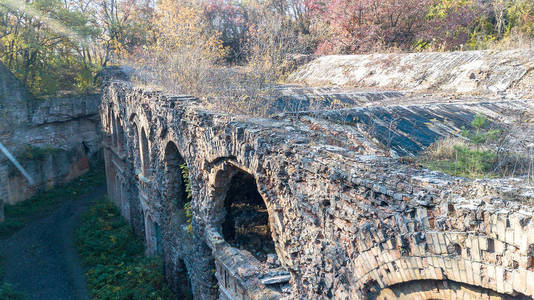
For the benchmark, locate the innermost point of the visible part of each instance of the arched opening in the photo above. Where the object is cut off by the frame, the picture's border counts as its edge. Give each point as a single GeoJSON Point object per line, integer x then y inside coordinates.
{"type": "Point", "coordinates": [113, 130]}
{"type": "Point", "coordinates": [174, 180]}
{"type": "Point", "coordinates": [117, 193]}
{"type": "Point", "coordinates": [144, 153]}
{"type": "Point", "coordinates": [109, 122]}
{"type": "Point", "coordinates": [136, 156]}
{"type": "Point", "coordinates": [182, 284]}
{"type": "Point", "coordinates": [246, 225]}
{"type": "Point", "coordinates": [438, 289]}
{"type": "Point", "coordinates": [125, 202]}
{"type": "Point", "coordinates": [158, 249]}
{"type": "Point", "coordinates": [153, 236]}
{"type": "Point", "coordinates": [121, 141]}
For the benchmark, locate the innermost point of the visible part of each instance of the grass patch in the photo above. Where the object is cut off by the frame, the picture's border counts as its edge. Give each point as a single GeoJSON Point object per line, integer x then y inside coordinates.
{"type": "Point", "coordinates": [114, 257]}
{"type": "Point", "coordinates": [480, 152]}
{"type": "Point", "coordinates": [20, 214]}
{"type": "Point", "coordinates": [466, 162]}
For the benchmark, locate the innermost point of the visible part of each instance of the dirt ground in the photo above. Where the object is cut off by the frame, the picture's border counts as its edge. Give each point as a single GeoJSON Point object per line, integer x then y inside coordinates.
{"type": "Point", "coordinates": [41, 260]}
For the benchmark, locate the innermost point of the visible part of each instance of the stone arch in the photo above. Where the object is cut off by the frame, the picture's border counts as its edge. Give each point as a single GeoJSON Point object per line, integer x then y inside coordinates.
{"type": "Point", "coordinates": [438, 289]}
{"type": "Point", "coordinates": [145, 154]}
{"type": "Point", "coordinates": [113, 129]}
{"type": "Point", "coordinates": [136, 155]}
{"type": "Point", "coordinates": [125, 202]}
{"type": "Point", "coordinates": [175, 192]}
{"type": "Point", "coordinates": [245, 221]}
{"type": "Point", "coordinates": [427, 264]}
{"type": "Point", "coordinates": [152, 236]}
{"type": "Point", "coordinates": [181, 284]}
{"type": "Point", "coordinates": [121, 139]}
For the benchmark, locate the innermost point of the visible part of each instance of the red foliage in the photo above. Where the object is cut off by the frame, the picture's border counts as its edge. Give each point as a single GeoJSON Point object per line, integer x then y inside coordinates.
{"type": "Point", "coordinates": [358, 26]}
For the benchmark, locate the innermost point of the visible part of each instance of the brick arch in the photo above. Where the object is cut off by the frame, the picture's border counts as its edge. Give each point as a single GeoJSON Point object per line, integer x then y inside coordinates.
{"type": "Point", "coordinates": [240, 205]}
{"type": "Point", "coordinates": [153, 234]}
{"type": "Point", "coordinates": [136, 149]}
{"type": "Point", "coordinates": [439, 289]}
{"type": "Point", "coordinates": [120, 137]}
{"type": "Point", "coordinates": [175, 186]}
{"type": "Point", "coordinates": [492, 264]}
{"type": "Point", "coordinates": [145, 153]}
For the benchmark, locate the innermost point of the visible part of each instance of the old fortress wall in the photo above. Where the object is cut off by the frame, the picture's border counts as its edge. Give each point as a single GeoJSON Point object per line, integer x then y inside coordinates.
{"type": "Point", "coordinates": [303, 206]}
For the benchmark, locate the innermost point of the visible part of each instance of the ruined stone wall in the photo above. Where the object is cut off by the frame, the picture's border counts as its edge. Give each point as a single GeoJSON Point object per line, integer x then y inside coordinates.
{"type": "Point", "coordinates": [56, 140]}
{"type": "Point", "coordinates": [347, 221]}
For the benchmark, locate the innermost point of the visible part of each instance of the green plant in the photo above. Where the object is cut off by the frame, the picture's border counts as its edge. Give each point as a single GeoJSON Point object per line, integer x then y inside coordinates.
{"type": "Point", "coordinates": [466, 162]}
{"type": "Point", "coordinates": [469, 157]}
{"type": "Point", "coordinates": [113, 255]}
{"type": "Point", "coordinates": [189, 196]}
{"type": "Point", "coordinates": [37, 153]}
{"type": "Point", "coordinates": [188, 217]}
{"type": "Point", "coordinates": [480, 135]}
{"type": "Point", "coordinates": [187, 181]}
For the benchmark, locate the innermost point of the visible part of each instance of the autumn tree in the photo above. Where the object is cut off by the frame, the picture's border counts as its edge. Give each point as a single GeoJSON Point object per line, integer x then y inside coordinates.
{"type": "Point", "coordinates": [363, 25]}
{"type": "Point", "coordinates": [38, 42]}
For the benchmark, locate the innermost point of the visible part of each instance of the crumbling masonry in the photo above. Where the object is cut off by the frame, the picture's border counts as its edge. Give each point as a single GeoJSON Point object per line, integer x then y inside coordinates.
{"type": "Point", "coordinates": [317, 204]}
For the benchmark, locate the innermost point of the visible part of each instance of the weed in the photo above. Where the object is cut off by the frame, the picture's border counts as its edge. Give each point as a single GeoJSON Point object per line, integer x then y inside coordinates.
{"type": "Point", "coordinates": [117, 268]}
{"type": "Point", "coordinates": [474, 156]}
{"type": "Point", "coordinates": [37, 153]}
{"type": "Point", "coordinates": [189, 194]}
{"type": "Point", "coordinates": [188, 217]}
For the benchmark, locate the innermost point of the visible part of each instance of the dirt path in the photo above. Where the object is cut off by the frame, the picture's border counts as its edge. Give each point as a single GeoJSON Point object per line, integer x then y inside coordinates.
{"type": "Point", "coordinates": [41, 260]}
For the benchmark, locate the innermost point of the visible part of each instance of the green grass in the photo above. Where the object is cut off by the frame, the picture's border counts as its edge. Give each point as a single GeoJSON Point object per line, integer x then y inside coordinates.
{"type": "Point", "coordinates": [114, 257]}
{"type": "Point", "coordinates": [466, 162]}
{"type": "Point", "coordinates": [471, 157]}
{"type": "Point", "coordinates": [20, 214]}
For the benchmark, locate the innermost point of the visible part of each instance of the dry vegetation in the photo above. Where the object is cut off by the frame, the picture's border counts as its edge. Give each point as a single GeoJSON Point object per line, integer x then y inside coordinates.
{"type": "Point", "coordinates": [189, 56]}
{"type": "Point", "coordinates": [232, 53]}
{"type": "Point", "coordinates": [486, 152]}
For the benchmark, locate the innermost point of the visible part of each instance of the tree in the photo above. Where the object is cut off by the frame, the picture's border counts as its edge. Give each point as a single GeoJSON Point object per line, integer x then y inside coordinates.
{"type": "Point", "coordinates": [38, 40]}
{"type": "Point", "coordinates": [357, 26]}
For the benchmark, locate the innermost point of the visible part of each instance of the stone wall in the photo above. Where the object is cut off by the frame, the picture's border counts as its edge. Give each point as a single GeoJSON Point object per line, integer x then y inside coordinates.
{"type": "Point", "coordinates": [348, 220]}
{"type": "Point", "coordinates": [56, 140]}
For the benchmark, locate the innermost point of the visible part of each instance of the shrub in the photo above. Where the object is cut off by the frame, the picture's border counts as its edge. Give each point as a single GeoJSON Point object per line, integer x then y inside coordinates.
{"type": "Point", "coordinates": [117, 268]}
{"type": "Point", "coordinates": [104, 237]}
{"type": "Point", "coordinates": [189, 194]}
